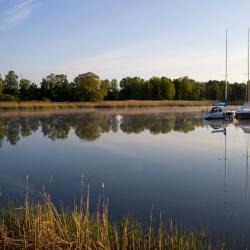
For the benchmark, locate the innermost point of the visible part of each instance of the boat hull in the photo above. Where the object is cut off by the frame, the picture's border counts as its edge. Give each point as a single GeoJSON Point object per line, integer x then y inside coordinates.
{"type": "Point", "coordinates": [218, 115]}
{"type": "Point", "coordinates": [243, 115]}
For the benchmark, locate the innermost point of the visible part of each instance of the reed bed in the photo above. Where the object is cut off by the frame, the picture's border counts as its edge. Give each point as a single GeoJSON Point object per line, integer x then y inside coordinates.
{"type": "Point", "coordinates": [33, 105]}
{"type": "Point", "coordinates": [42, 226]}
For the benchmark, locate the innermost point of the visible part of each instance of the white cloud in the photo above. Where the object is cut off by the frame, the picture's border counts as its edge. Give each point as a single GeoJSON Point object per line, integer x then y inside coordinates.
{"type": "Point", "coordinates": [17, 12]}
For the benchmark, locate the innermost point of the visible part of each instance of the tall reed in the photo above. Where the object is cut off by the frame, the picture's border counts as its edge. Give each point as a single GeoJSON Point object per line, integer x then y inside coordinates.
{"type": "Point", "coordinates": [38, 105]}
{"type": "Point", "coordinates": [41, 225]}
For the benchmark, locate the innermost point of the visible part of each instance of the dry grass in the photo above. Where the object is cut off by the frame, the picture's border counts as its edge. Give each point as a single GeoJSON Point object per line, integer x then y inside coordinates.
{"type": "Point", "coordinates": [33, 105]}
{"type": "Point", "coordinates": [42, 226]}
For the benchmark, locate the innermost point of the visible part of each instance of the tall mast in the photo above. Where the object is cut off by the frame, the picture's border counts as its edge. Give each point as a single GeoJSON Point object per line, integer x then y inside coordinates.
{"type": "Point", "coordinates": [247, 87]}
{"type": "Point", "coordinates": [226, 72]}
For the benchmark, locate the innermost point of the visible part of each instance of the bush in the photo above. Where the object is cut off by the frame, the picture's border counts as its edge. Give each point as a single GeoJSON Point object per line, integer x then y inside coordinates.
{"type": "Point", "coordinates": [8, 98]}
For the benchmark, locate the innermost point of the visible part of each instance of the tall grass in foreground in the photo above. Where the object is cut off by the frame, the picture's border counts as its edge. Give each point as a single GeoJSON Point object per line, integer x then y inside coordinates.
{"type": "Point", "coordinates": [42, 226]}
{"type": "Point", "coordinates": [31, 105]}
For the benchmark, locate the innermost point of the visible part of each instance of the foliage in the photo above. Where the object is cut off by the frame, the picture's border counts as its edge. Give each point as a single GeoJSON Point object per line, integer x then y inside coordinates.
{"type": "Point", "coordinates": [167, 89]}
{"type": "Point", "coordinates": [113, 91]}
{"type": "Point", "coordinates": [24, 89]}
{"type": "Point", "coordinates": [55, 87]}
{"type": "Point", "coordinates": [11, 83]}
{"type": "Point", "coordinates": [130, 88]}
{"type": "Point", "coordinates": [1, 85]}
{"type": "Point", "coordinates": [90, 87]}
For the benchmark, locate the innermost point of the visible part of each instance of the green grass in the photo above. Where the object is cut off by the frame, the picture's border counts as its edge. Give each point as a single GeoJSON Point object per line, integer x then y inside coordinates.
{"type": "Point", "coordinates": [33, 105]}
{"type": "Point", "coordinates": [42, 226]}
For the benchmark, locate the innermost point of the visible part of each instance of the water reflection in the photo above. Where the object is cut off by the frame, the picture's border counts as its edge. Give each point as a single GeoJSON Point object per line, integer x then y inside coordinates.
{"type": "Point", "coordinates": [220, 126]}
{"type": "Point", "coordinates": [245, 126]}
{"type": "Point", "coordinates": [90, 126]}
{"type": "Point", "coordinates": [173, 161]}
{"type": "Point", "coordinates": [217, 124]}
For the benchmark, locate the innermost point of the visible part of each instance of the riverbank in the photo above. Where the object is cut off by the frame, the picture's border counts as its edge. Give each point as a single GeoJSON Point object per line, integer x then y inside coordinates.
{"type": "Point", "coordinates": [40, 105]}
{"type": "Point", "coordinates": [42, 226]}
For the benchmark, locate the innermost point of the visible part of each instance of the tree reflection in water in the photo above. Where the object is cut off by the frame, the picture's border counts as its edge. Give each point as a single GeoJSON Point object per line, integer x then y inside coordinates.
{"type": "Point", "coordinates": [91, 125]}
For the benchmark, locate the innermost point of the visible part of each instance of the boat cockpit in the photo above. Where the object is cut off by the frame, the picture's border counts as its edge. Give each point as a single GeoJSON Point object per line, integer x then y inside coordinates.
{"type": "Point", "coordinates": [216, 110]}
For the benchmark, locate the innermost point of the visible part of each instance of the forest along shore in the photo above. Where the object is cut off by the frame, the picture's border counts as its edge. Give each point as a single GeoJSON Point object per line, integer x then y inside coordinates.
{"type": "Point", "coordinates": [40, 105]}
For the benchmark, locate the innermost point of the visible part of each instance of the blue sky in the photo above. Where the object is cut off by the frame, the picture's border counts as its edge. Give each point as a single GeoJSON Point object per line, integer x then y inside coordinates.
{"type": "Point", "coordinates": [118, 38]}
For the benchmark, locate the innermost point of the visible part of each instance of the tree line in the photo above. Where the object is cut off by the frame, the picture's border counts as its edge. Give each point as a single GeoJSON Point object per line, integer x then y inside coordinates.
{"type": "Point", "coordinates": [90, 87]}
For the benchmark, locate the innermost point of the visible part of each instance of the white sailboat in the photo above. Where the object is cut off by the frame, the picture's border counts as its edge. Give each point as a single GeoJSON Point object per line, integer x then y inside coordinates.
{"type": "Point", "coordinates": [219, 110]}
{"type": "Point", "coordinates": [244, 111]}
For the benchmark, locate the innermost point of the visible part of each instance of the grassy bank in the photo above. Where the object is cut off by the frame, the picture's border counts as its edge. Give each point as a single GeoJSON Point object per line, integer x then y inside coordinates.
{"type": "Point", "coordinates": [42, 226]}
{"type": "Point", "coordinates": [34, 105]}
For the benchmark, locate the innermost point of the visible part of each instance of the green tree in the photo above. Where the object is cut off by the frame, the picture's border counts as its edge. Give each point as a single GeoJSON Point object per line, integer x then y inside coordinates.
{"type": "Point", "coordinates": [147, 90]}
{"type": "Point", "coordinates": [184, 88]}
{"type": "Point", "coordinates": [167, 89]}
{"type": "Point", "coordinates": [136, 88]}
{"type": "Point", "coordinates": [125, 91]}
{"type": "Point", "coordinates": [24, 89]}
{"type": "Point", "coordinates": [113, 93]}
{"type": "Point", "coordinates": [198, 91]}
{"type": "Point", "coordinates": [34, 92]}
{"type": "Point", "coordinates": [55, 87]}
{"type": "Point", "coordinates": [178, 88]}
{"type": "Point", "coordinates": [1, 85]}
{"type": "Point", "coordinates": [45, 89]}
{"type": "Point", "coordinates": [61, 88]}
{"type": "Point", "coordinates": [11, 83]}
{"type": "Point", "coordinates": [88, 87]}
{"type": "Point", "coordinates": [187, 85]}
{"type": "Point", "coordinates": [215, 90]}
{"type": "Point", "coordinates": [104, 87]}
{"type": "Point", "coordinates": [155, 83]}
{"type": "Point", "coordinates": [237, 92]}
{"type": "Point", "coordinates": [131, 88]}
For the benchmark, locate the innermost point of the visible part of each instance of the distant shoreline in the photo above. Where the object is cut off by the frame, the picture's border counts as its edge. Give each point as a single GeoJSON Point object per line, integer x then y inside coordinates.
{"type": "Point", "coordinates": [45, 105]}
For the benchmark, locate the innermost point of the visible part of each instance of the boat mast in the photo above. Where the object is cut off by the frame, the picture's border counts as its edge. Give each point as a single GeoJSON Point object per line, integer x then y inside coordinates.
{"type": "Point", "coordinates": [247, 87]}
{"type": "Point", "coordinates": [226, 72]}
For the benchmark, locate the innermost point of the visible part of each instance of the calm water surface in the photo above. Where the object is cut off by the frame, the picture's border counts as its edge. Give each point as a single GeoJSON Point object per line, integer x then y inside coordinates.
{"type": "Point", "coordinates": [193, 172]}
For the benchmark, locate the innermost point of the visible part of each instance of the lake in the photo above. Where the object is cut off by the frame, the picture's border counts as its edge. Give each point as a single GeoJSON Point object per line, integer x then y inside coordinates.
{"type": "Point", "coordinates": [164, 160]}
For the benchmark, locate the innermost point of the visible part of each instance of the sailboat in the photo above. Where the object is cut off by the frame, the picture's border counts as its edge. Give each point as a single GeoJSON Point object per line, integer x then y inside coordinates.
{"type": "Point", "coordinates": [219, 110]}
{"type": "Point", "coordinates": [244, 111]}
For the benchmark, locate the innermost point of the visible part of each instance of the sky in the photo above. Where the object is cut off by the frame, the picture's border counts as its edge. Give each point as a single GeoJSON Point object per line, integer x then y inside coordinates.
{"type": "Point", "coordinates": [119, 38]}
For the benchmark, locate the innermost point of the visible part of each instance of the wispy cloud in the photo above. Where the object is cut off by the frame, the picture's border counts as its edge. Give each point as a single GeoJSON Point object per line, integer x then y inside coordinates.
{"type": "Point", "coordinates": [16, 12]}
{"type": "Point", "coordinates": [155, 59]}
{"type": "Point", "coordinates": [146, 61]}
